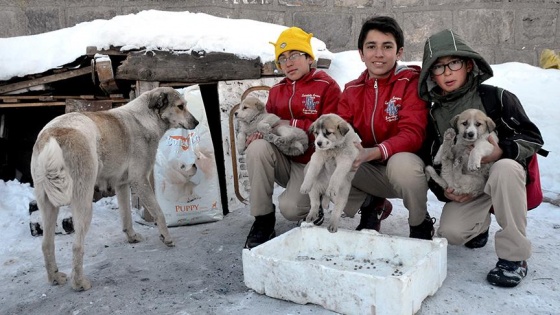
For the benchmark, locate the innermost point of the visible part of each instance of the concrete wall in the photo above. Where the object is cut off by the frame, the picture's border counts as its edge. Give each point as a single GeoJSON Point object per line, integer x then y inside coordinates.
{"type": "Point", "coordinates": [501, 30]}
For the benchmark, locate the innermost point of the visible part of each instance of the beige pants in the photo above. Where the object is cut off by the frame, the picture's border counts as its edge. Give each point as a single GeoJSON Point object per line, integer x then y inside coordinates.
{"type": "Point", "coordinates": [403, 177]}
{"type": "Point", "coordinates": [505, 190]}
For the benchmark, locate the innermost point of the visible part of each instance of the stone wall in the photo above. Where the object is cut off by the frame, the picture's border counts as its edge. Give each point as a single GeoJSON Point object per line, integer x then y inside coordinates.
{"type": "Point", "coordinates": [501, 30]}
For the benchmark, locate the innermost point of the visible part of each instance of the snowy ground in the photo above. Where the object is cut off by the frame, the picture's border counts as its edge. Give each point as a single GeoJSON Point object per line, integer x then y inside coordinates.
{"type": "Point", "coordinates": [203, 274]}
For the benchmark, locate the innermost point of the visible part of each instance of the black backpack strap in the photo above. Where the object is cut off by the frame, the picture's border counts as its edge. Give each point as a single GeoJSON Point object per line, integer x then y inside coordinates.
{"type": "Point", "coordinates": [490, 96]}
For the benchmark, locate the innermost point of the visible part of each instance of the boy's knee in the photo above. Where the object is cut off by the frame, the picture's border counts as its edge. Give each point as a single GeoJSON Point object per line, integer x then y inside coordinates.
{"type": "Point", "coordinates": [452, 236]}
{"type": "Point", "coordinates": [405, 169]}
{"type": "Point", "coordinates": [290, 210]}
{"type": "Point", "coordinates": [258, 147]}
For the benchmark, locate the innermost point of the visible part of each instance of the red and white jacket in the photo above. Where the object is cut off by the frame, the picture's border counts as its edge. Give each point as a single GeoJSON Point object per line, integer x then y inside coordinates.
{"type": "Point", "coordinates": [387, 113]}
{"type": "Point", "coordinates": [303, 101]}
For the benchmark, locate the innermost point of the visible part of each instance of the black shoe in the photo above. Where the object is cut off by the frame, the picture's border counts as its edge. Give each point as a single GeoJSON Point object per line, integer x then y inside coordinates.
{"type": "Point", "coordinates": [261, 231]}
{"type": "Point", "coordinates": [478, 241]}
{"type": "Point", "coordinates": [377, 209]}
{"type": "Point", "coordinates": [507, 273]}
{"type": "Point", "coordinates": [425, 230]}
{"type": "Point", "coordinates": [321, 217]}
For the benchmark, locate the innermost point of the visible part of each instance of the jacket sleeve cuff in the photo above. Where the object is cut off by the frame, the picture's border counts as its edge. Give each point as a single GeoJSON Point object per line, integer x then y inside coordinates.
{"type": "Point", "coordinates": [384, 151]}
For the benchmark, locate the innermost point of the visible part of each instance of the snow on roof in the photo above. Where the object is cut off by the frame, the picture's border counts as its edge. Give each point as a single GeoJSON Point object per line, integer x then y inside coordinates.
{"type": "Point", "coordinates": [150, 29]}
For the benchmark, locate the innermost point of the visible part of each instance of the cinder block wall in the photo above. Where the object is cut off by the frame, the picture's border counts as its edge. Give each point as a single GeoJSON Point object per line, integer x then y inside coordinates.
{"type": "Point", "coordinates": [502, 30]}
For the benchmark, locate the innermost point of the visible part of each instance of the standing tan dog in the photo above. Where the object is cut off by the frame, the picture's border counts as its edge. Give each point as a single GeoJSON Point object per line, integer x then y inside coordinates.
{"type": "Point", "coordinates": [328, 175]}
{"type": "Point", "coordinates": [460, 158]}
{"type": "Point", "coordinates": [115, 148]}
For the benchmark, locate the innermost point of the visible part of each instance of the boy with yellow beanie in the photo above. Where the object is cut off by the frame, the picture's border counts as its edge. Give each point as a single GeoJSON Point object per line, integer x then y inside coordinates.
{"type": "Point", "coordinates": [299, 99]}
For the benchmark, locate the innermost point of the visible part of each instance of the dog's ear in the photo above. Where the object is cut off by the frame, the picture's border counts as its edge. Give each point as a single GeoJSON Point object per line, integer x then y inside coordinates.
{"type": "Point", "coordinates": [159, 100]}
{"type": "Point", "coordinates": [312, 127]}
{"type": "Point", "coordinates": [260, 105]}
{"type": "Point", "coordinates": [491, 124]}
{"type": "Point", "coordinates": [343, 127]}
{"type": "Point", "coordinates": [454, 120]}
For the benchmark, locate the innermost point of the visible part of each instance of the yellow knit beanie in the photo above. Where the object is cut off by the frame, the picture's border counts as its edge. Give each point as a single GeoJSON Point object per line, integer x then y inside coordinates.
{"type": "Point", "coordinates": [293, 38]}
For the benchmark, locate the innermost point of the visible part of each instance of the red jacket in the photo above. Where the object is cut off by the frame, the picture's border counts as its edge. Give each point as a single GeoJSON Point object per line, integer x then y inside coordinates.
{"type": "Point", "coordinates": [303, 101]}
{"type": "Point", "coordinates": [387, 112]}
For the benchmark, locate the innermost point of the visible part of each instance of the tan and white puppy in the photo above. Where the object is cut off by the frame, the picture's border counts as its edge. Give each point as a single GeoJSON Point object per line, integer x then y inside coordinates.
{"type": "Point", "coordinates": [252, 117]}
{"type": "Point", "coordinates": [329, 172]}
{"type": "Point", "coordinates": [460, 158]}
{"type": "Point", "coordinates": [114, 148]}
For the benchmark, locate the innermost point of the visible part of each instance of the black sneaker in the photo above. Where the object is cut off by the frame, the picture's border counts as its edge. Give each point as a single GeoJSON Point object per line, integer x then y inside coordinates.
{"type": "Point", "coordinates": [261, 231]}
{"type": "Point", "coordinates": [507, 273]}
{"type": "Point", "coordinates": [478, 241]}
{"type": "Point", "coordinates": [425, 230]}
{"type": "Point", "coordinates": [321, 217]}
{"type": "Point", "coordinates": [377, 209]}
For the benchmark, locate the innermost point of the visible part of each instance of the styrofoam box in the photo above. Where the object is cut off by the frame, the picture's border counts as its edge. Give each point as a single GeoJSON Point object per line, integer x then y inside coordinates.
{"type": "Point", "coordinates": [349, 272]}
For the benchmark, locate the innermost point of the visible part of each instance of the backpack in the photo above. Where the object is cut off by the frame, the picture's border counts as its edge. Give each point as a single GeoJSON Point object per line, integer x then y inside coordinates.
{"type": "Point", "coordinates": [491, 100]}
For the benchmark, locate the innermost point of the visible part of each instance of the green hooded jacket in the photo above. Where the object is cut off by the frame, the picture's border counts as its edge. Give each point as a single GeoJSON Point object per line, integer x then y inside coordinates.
{"type": "Point", "coordinates": [448, 43]}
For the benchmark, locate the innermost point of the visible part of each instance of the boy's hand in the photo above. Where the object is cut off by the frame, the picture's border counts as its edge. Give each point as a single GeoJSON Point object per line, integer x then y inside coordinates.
{"type": "Point", "coordinates": [253, 137]}
{"type": "Point", "coordinates": [457, 198]}
{"type": "Point", "coordinates": [365, 155]}
{"type": "Point", "coordinates": [496, 153]}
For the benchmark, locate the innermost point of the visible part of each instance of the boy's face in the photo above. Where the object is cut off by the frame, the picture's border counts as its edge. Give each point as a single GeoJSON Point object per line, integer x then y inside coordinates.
{"type": "Point", "coordinates": [295, 64]}
{"type": "Point", "coordinates": [454, 73]}
{"type": "Point", "coordinates": [380, 54]}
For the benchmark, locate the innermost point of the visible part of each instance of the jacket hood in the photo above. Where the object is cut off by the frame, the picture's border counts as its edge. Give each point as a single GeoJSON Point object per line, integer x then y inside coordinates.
{"type": "Point", "coordinates": [448, 43]}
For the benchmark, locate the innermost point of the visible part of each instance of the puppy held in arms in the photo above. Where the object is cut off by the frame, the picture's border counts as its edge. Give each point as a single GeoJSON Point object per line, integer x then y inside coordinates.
{"type": "Point", "coordinates": [116, 148]}
{"type": "Point", "coordinates": [460, 156]}
{"type": "Point", "coordinates": [329, 172]}
{"type": "Point", "coordinates": [252, 117]}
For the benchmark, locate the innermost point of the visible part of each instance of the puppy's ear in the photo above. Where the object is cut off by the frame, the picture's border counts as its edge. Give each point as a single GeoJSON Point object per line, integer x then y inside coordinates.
{"type": "Point", "coordinates": [491, 124]}
{"type": "Point", "coordinates": [343, 127]}
{"type": "Point", "coordinates": [454, 120]}
{"type": "Point", "coordinates": [260, 105]}
{"type": "Point", "coordinates": [312, 127]}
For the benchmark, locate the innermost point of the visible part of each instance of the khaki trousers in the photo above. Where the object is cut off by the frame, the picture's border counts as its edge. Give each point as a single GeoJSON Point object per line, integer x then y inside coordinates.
{"type": "Point", "coordinates": [403, 177]}
{"type": "Point", "coordinates": [505, 191]}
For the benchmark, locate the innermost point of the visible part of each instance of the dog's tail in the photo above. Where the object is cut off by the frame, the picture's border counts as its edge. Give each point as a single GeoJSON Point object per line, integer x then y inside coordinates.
{"type": "Point", "coordinates": [51, 174]}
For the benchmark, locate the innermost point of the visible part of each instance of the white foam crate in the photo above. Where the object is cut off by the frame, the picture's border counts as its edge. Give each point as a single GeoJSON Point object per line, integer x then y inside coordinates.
{"type": "Point", "coordinates": [349, 272]}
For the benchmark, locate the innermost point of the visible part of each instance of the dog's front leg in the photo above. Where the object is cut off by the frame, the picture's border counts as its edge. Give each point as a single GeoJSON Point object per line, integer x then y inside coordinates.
{"type": "Point", "coordinates": [339, 203]}
{"type": "Point", "coordinates": [312, 170]}
{"type": "Point", "coordinates": [315, 199]}
{"type": "Point", "coordinates": [480, 150]}
{"type": "Point", "coordinates": [343, 168]}
{"type": "Point", "coordinates": [240, 142]}
{"type": "Point", "coordinates": [123, 198]}
{"type": "Point", "coordinates": [265, 126]}
{"type": "Point", "coordinates": [148, 200]}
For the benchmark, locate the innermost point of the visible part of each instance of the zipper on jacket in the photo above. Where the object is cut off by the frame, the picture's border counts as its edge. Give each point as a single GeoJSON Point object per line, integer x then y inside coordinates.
{"type": "Point", "coordinates": [291, 97]}
{"type": "Point", "coordinates": [374, 109]}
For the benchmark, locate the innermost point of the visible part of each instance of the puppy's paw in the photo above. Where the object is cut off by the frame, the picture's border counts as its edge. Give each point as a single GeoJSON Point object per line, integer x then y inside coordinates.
{"type": "Point", "coordinates": [449, 134]}
{"type": "Point", "coordinates": [473, 166]}
{"type": "Point", "coordinates": [311, 217]}
{"type": "Point", "coordinates": [305, 188]}
{"type": "Point", "coordinates": [332, 190]}
{"type": "Point", "coordinates": [333, 226]}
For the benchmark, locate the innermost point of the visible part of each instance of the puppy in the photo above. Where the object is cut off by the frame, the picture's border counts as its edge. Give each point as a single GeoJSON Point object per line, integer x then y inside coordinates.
{"type": "Point", "coordinates": [252, 117]}
{"type": "Point", "coordinates": [78, 151]}
{"type": "Point", "coordinates": [329, 172]}
{"type": "Point", "coordinates": [460, 161]}
{"type": "Point", "coordinates": [178, 185]}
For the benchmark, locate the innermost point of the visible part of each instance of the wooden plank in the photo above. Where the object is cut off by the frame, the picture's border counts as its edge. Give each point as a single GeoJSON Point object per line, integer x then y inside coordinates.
{"type": "Point", "coordinates": [193, 68]}
{"type": "Point", "coordinates": [43, 80]}
{"type": "Point", "coordinates": [21, 105]}
{"type": "Point", "coordinates": [76, 105]}
{"type": "Point", "coordinates": [46, 98]}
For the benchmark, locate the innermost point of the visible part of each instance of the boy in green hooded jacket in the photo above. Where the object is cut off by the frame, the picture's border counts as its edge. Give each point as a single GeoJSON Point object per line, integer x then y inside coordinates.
{"type": "Point", "coordinates": [451, 80]}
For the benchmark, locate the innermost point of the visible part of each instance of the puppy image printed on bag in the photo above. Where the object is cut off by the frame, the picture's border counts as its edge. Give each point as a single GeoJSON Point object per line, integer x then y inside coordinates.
{"type": "Point", "coordinates": [252, 117]}
{"type": "Point", "coordinates": [178, 184]}
{"type": "Point", "coordinates": [78, 151]}
{"type": "Point", "coordinates": [461, 152]}
{"type": "Point", "coordinates": [328, 175]}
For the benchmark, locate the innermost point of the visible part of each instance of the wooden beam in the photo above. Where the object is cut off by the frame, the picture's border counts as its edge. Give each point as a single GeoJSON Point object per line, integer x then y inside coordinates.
{"type": "Point", "coordinates": [43, 80]}
{"type": "Point", "coordinates": [199, 67]}
{"type": "Point", "coordinates": [21, 105]}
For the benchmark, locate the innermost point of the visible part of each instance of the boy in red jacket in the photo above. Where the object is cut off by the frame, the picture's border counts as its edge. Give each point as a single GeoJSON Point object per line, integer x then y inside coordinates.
{"type": "Point", "coordinates": [383, 106]}
{"type": "Point", "coordinates": [299, 99]}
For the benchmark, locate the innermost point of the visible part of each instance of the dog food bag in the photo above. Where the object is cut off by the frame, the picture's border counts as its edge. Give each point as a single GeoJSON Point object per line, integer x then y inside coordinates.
{"type": "Point", "coordinates": [185, 172]}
